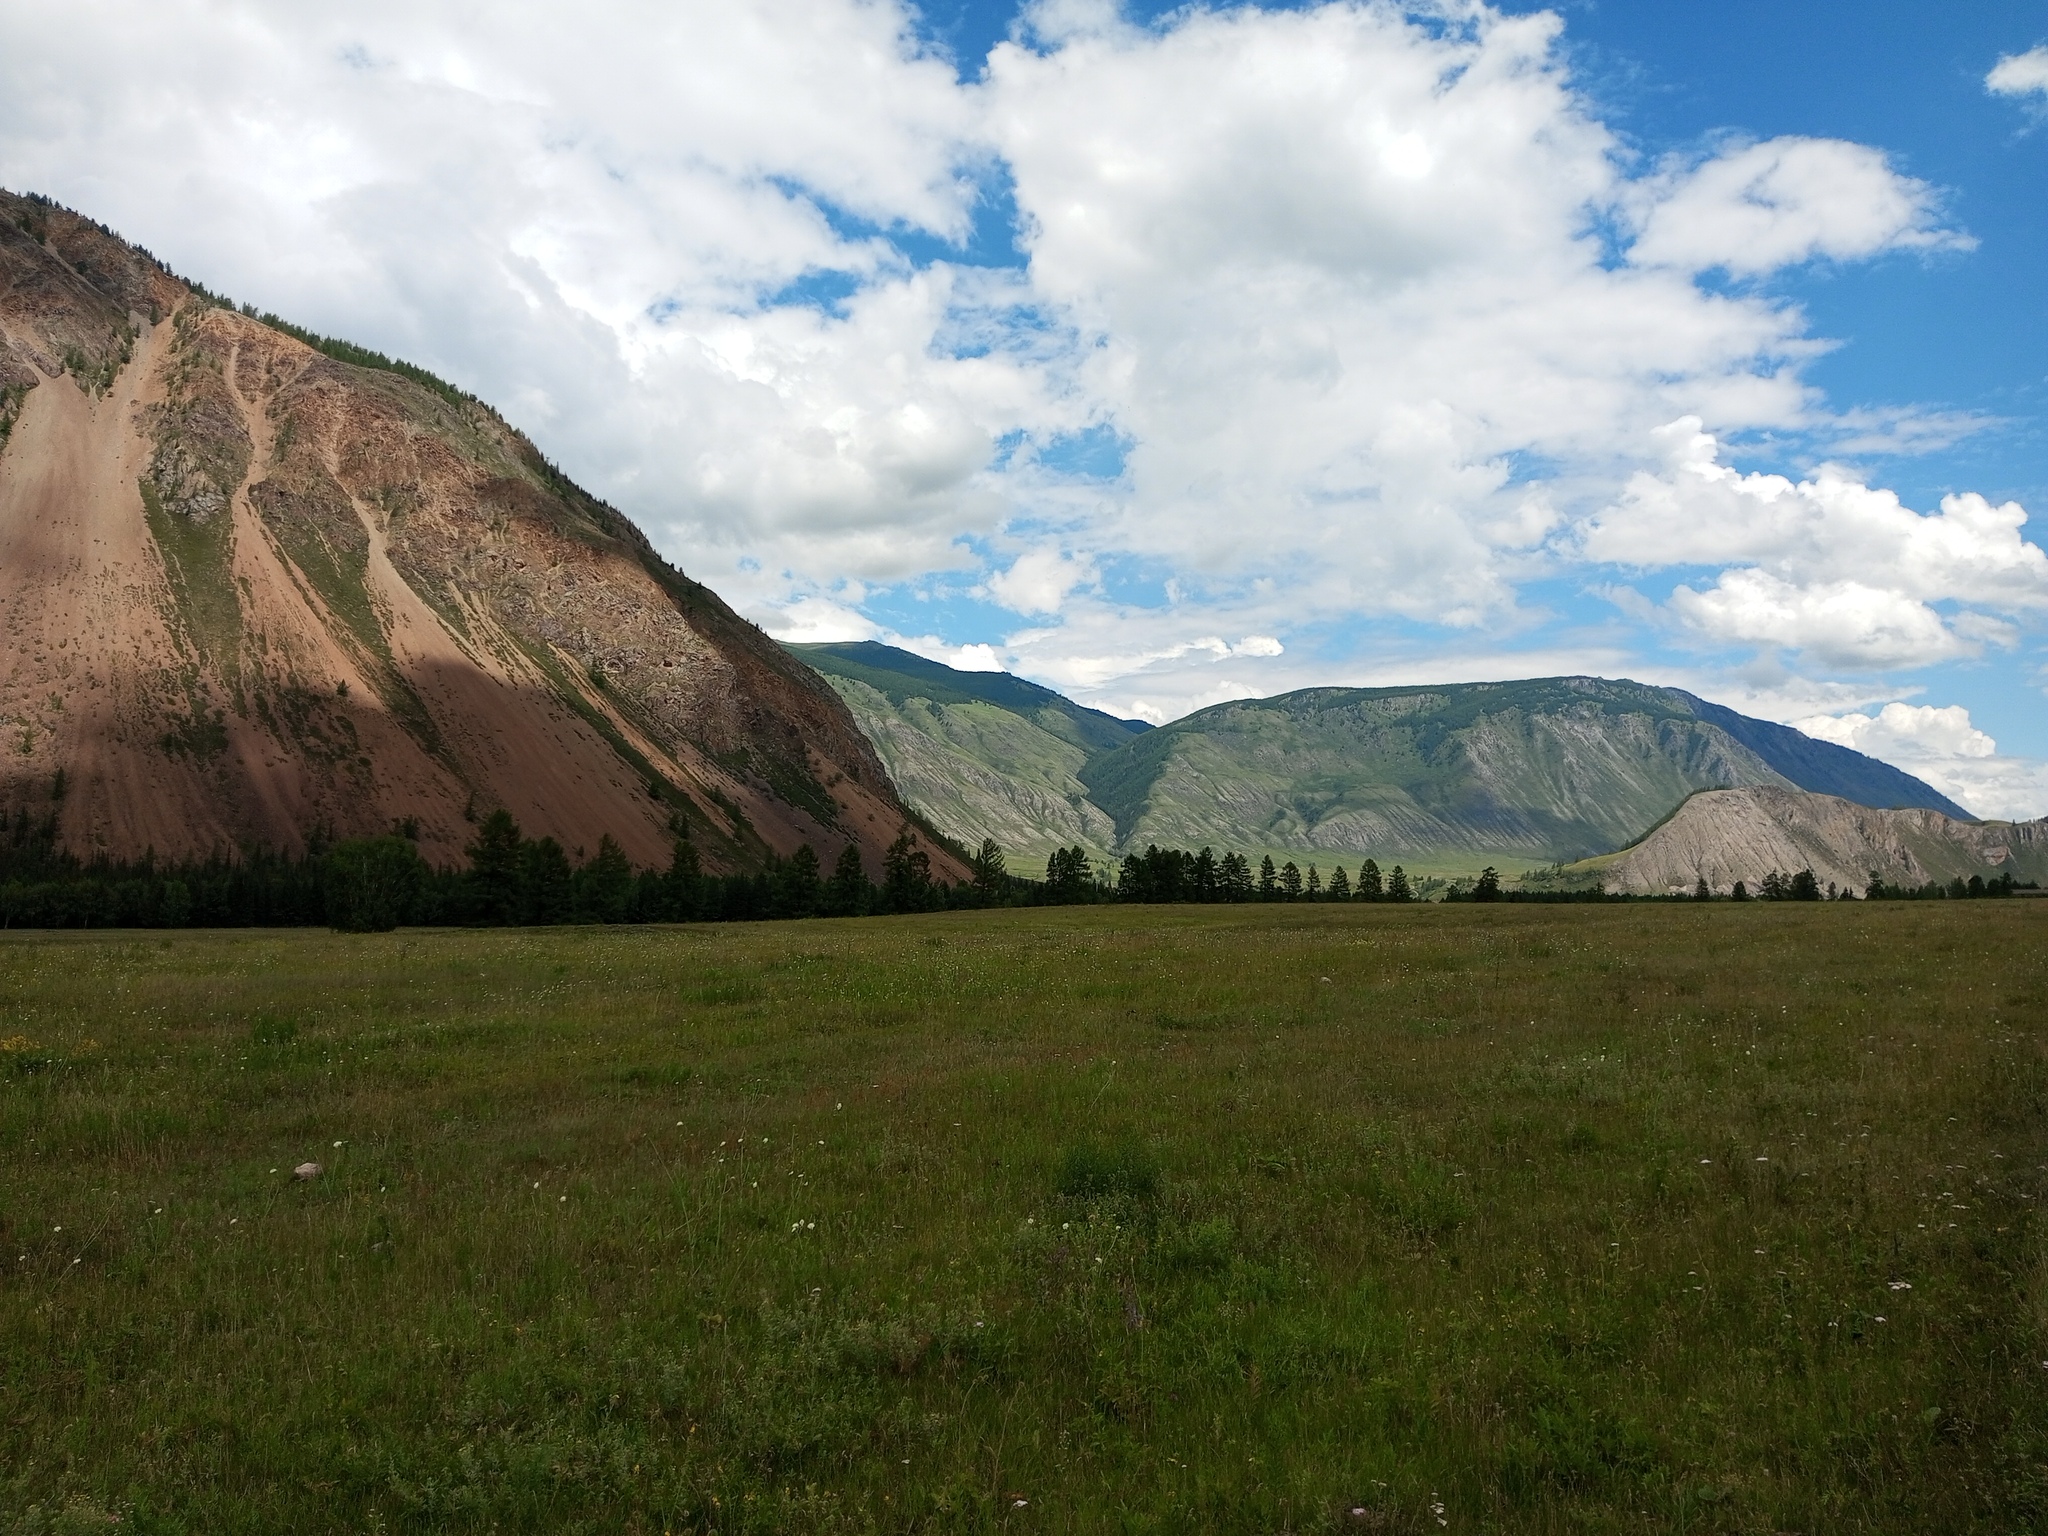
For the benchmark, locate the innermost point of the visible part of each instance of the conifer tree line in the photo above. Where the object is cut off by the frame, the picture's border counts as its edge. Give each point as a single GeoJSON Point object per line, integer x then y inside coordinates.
{"type": "Point", "coordinates": [1175, 875]}
{"type": "Point", "coordinates": [378, 883]}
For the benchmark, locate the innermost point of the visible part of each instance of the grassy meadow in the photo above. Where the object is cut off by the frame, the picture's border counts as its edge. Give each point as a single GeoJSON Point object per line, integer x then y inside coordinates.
{"type": "Point", "coordinates": [1186, 1219]}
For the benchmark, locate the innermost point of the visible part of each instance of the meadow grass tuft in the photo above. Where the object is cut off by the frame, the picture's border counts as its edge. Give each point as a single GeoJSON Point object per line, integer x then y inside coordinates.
{"type": "Point", "coordinates": [1672, 1219]}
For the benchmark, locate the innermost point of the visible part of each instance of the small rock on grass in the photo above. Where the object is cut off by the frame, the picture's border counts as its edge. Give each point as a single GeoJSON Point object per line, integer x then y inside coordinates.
{"type": "Point", "coordinates": [307, 1171]}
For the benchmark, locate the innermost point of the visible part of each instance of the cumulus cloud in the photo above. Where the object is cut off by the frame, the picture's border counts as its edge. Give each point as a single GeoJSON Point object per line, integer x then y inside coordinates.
{"type": "Point", "coordinates": [1942, 746]}
{"type": "Point", "coordinates": [1829, 565]}
{"type": "Point", "coordinates": [2020, 74]}
{"type": "Point", "coordinates": [1916, 731]}
{"type": "Point", "coordinates": [1839, 623]}
{"type": "Point", "coordinates": [1038, 582]}
{"type": "Point", "coordinates": [1334, 278]}
{"type": "Point", "coordinates": [1759, 207]}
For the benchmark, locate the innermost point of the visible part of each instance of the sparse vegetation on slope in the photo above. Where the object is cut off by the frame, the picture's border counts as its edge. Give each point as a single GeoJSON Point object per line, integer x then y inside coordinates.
{"type": "Point", "coordinates": [423, 620]}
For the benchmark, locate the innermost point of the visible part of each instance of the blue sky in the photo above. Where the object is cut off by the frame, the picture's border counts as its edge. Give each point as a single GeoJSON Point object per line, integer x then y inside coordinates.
{"type": "Point", "coordinates": [1964, 333]}
{"type": "Point", "coordinates": [1169, 356]}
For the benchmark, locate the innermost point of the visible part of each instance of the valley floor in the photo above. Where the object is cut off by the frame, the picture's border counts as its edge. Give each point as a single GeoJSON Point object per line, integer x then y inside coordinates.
{"type": "Point", "coordinates": [1686, 1218]}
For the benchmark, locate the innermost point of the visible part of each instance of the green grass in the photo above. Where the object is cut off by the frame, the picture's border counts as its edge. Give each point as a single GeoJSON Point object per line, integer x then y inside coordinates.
{"type": "Point", "coordinates": [1113, 1219]}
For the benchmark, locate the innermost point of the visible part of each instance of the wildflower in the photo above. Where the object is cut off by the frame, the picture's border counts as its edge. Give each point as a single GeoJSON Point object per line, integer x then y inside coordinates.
{"type": "Point", "coordinates": [1902, 1285]}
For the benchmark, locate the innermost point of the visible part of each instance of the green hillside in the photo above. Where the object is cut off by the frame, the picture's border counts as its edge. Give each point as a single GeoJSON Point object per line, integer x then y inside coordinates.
{"type": "Point", "coordinates": [982, 754]}
{"type": "Point", "coordinates": [1444, 779]}
{"type": "Point", "coordinates": [1524, 772]}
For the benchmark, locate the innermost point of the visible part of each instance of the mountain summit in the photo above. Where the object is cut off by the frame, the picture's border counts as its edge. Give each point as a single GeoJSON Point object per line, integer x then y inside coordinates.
{"type": "Point", "coordinates": [256, 584]}
{"type": "Point", "coordinates": [1446, 777]}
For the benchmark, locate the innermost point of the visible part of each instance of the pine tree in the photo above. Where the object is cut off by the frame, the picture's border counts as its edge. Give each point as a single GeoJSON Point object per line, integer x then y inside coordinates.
{"type": "Point", "coordinates": [603, 888]}
{"type": "Point", "coordinates": [680, 886]}
{"type": "Point", "coordinates": [1397, 886]}
{"type": "Point", "coordinates": [848, 893]}
{"type": "Point", "coordinates": [906, 875]}
{"type": "Point", "coordinates": [494, 872]}
{"type": "Point", "coordinates": [1315, 884]}
{"type": "Point", "coordinates": [546, 892]}
{"type": "Point", "coordinates": [1340, 885]}
{"type": "Point", "coordinates": [1702, 891]}
{"type": "Point", "coordinates": [797, 884]}
{"type": "Point", "coordinates": [1067, 876]}
{"type": "Point", "coordinates": [1269, 887]}
{"type": "Point", "coordinates": [1290, 881]}
{"type": "Point", "coordinates": [991, 876]}
{"type": "Point", "coordinates": [1369, 887]}
{"type": "Point", "coordinates": [1488, 886]}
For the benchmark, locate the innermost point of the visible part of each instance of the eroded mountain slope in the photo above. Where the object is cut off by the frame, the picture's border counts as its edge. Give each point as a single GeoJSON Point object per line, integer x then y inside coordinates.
{"type": "Point", "coordinates": [249, 590]}
{"type": "Point", "coordinates": [1727, 835]}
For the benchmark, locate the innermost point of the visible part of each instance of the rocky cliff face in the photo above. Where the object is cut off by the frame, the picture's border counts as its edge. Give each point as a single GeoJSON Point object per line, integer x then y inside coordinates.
{"type": "Point", "coordinates": [251, 587]}
{"type": "Point", "coordinates": [1743, 834]}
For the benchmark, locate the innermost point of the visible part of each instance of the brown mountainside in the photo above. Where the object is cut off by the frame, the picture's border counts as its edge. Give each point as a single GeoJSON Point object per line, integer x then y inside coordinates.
{"type": "Point", "coordinates": [249, 589]}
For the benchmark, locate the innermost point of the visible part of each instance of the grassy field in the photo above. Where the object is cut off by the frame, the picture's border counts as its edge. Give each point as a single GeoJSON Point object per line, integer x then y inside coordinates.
{"type": "Point", "coordinates": [1262, 1219]}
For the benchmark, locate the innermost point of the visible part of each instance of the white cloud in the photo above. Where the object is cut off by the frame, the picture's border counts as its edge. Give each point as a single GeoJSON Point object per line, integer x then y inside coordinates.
{"type": "Point", "coordinates": [818, 620]}
{"type": "Point", "coordinates": [1914, 731]}
{"type": "Point", "coordinates": [2020, 74]}
{"type": "Point", "coordinates": [1333, 275]}
{"type": "Point", "coordinates": [1038, 582]}
{"type": "Point", "coordinates": [1759, 207]}
{"type": "Point", "coordinates": [1829, 565]}
{"type": "Point", "coordinates": [1838, 623]}
{"type": "Point", "coordinates": [976, 658]}
{"type": "Point", "coordinates": [1944, 748]}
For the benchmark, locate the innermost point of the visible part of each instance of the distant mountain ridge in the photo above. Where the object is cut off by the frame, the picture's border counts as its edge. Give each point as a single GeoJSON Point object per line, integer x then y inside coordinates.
{"type": "Point", "coordinates": [900, 675]}
{"type": "Point", "coordinates": [1546, 770]}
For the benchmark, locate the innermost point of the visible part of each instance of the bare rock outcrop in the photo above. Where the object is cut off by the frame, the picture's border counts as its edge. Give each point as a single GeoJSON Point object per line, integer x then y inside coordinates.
{"type": "Point", "coordinates": [1726, 835]}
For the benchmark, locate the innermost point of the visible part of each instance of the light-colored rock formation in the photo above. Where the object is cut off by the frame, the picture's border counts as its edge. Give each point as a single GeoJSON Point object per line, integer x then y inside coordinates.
{"type": "Point", "coordinates": [1726, 835]}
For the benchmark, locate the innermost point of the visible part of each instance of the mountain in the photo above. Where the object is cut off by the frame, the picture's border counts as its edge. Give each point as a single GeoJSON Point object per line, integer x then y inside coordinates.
{"type": "Point", "coordinates": [1538, 771]}
{"type": "Point", "coordinates": [983, 754]}
{"type": "Point", "coordinates": [255, 583]}
{"type": "Point", "coordinates": [1445, 778]}
{"type": "Point", "coordinates": [1727, 835]}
